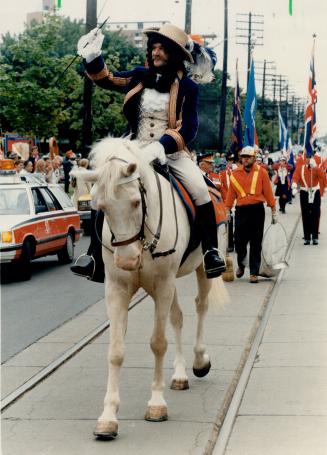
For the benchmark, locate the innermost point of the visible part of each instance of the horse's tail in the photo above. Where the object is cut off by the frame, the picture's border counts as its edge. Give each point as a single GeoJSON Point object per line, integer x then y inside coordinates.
{"type": "Point", "coordinates": [218, 296]}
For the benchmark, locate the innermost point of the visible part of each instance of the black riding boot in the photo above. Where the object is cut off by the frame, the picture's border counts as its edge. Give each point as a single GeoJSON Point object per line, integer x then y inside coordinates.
{"type": "Point", "coordinates": [90, 265]}
{"type": "Point", "coordinates": [214, 263]}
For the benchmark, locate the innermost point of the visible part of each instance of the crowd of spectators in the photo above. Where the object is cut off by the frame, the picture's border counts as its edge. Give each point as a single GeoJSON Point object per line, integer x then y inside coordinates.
{"type": "Point", "coordinates": [56, 170]}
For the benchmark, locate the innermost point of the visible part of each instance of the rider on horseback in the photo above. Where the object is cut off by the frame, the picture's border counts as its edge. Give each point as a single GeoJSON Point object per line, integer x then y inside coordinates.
{"type": "Point", "coordinates": [161, 108]}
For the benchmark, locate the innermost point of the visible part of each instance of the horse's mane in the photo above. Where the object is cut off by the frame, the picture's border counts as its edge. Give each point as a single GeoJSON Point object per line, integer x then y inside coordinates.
{"type": "Point", "coordinates": [110, 170]}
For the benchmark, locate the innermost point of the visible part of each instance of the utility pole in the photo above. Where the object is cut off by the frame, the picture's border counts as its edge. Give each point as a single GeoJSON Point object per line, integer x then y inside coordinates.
{"type": "Point", "coordinates": [263, 87]}
{"type": "Point", "coordinates": [222, 114]}
{"type": "Point", "coordinates": [265, 78]}
{"type": "Point", "coordinates": [286, 107]}
{"type": "Point", "coordinates": [253, 36]}
{"type": "Point", "coordinates": [274, 113]}
{"type": "Point", "coordinates": [188, 16]}
{"type": "Point", "coordinates": [90, 23]}
{"type": "Point", "coordinates": [277, 82]}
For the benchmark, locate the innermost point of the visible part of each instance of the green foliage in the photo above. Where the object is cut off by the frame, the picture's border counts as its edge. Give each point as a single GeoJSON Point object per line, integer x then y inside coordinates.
{"type": "Point", "coordinates": [209, 114]}
{"type": "Point", "coordinates": [31, 102]}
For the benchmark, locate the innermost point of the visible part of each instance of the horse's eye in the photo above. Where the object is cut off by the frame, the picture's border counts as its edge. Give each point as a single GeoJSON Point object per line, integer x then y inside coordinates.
{"type": "Point", "coordinates": [135, 204]}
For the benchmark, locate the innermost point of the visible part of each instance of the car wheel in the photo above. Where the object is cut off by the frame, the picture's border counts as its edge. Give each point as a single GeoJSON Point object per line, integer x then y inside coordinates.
{"type": "Point", "coordinates": [24, 264]}
{"type": "Point", "coordinates": [66, 254]}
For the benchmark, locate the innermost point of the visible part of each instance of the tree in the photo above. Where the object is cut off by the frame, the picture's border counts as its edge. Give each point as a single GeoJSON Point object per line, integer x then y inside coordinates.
{"type": "Point", "coordinates": [209, 102]}
{"type": "Point", "coordinates": [31, 102]}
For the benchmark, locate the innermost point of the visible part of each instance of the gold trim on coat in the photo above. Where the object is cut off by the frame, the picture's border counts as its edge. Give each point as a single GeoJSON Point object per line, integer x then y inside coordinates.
{"type": "Point", "coordinates": [133, 91]}
{"type": "Point", "coordinates": [177, 137]}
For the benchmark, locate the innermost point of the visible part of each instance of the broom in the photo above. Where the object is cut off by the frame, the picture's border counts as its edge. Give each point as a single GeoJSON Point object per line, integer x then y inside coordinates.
{"type": "Point", "coordinates": [228, 275]}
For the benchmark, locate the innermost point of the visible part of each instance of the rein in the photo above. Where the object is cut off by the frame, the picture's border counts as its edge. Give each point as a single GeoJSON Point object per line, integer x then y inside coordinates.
{"type": "Point", "coordinates": [151, 246]}
{"type": "Point", "coordinates": [156, 238]}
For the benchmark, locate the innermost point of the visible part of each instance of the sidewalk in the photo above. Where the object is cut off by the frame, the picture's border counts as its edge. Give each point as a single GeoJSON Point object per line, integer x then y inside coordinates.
{"type": "Point", "coordinates": [58, 416]}
{"type": "Point", "coordinates": [284, 407]}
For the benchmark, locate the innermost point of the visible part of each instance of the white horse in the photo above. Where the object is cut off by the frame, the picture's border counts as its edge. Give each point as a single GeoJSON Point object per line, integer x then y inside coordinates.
{"type": "Point", "coordinates": [128, 192]}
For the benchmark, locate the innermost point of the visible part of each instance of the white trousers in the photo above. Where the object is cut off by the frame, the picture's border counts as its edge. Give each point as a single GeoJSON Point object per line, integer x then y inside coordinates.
{"type": "Point", "coordinates": [190, 175]}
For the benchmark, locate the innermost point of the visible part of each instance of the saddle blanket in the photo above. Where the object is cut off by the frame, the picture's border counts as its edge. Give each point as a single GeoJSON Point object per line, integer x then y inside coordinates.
{"type": "Point", "coordinates": [216, 198]}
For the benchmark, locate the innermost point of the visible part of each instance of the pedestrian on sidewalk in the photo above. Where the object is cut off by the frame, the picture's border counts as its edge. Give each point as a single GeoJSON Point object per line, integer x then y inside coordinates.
{"type": "Point", "coordinates": [311, 179]}
{"type": "Point", "coordinates": [250, 186]}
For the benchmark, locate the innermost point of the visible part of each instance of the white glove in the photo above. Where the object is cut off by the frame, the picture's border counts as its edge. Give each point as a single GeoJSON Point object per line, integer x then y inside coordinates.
{"type": "Point", "coordinates": [313, 163]}
{"type": "Point", "coordinates": [89, 45]}
{"type": "Point", "coordinates": [274, 219]}
{"type": "Point", "coordinates": [294, 188]}
{"type": "Point", "coordinates": [155, 151]}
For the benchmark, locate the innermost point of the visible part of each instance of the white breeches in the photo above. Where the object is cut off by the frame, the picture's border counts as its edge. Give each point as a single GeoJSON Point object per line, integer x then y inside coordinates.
{"type": "Point", "coordinates": [190, 176]}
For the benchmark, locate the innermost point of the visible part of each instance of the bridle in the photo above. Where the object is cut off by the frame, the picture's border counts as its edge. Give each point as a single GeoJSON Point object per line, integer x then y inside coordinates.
{"type": "Point", "coordinates": [140, 235]}
{"type": "Point", "coordinates": [151, 246]}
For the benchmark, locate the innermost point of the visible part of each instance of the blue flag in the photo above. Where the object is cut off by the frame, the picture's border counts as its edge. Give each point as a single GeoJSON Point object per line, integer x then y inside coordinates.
{"type": "Point", "coordinates": [250, 137]}
{"type": "Point", "coordinates": [237, 142]}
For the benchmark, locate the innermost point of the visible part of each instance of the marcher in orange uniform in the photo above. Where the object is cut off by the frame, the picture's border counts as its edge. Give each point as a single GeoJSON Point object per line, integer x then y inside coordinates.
{"type": "Point", "coordinates": [312, 184]}
{"type": "Point", "coordinates": [251, 187]}
{"type": "Point", "coordinates": [224, 177]}
{"type": "Point", "coordinates": [206, 166]}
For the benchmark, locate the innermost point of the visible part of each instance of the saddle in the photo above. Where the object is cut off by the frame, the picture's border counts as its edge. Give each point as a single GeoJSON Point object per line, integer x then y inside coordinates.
{"type": "Point", "coordinates": [186, 199]}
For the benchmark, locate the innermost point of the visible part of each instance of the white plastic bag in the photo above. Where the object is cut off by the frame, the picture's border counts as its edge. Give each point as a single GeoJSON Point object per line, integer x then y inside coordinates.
{"type": "Point", "coordinates": [274, 246]}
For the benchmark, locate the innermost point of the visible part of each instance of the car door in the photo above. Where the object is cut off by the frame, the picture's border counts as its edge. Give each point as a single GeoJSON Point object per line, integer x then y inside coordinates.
{"type": "Point", "coordinates": [40, 227]}
{"type": "Point", "coordinates": [55, 223]}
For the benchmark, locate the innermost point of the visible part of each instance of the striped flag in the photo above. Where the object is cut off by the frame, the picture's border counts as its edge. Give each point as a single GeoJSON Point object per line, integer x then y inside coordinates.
{"type": "Point", "coordinates": [283, 133]}
{"type": "Point", "coordinates": [250, 137]}
{"type": "Point", "coordinates": [237, 143]}
{"type": "Point", "coordinates": [310, 110]}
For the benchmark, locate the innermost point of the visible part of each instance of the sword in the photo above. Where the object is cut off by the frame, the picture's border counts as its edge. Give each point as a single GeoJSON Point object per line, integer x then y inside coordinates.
{"type": "Point", "coordinates": [76, 56]}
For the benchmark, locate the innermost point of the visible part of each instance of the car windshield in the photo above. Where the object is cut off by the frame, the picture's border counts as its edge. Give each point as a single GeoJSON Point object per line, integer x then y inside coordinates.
{"type": "Point", "coordinates": [14, 202]}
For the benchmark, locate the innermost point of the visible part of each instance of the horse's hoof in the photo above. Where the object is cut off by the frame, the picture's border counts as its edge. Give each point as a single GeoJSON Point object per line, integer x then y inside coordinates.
{"type": "Point", "coordinates": [156, 413]}
{"type": "Point", "coordinates": [106, 430]}
{"type": "Point", "coordinates": [179, 384]}
{"type": "Point", "coordinates": [201, 372]}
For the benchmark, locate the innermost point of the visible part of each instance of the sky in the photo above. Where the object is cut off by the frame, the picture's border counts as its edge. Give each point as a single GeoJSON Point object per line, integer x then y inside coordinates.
{"type": "Point", "coordinates": [287, 39]}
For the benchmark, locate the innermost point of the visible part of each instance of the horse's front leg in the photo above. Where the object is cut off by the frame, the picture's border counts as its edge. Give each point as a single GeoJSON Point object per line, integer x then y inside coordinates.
{"type": "Point", "coordinates": [107, 425]}
{"type": "Point", "coordinates": [201, 365]}
{"type": "Point", "coordinates": [179, 378]}
{"type": "Point", "coordinates": [163, 297]}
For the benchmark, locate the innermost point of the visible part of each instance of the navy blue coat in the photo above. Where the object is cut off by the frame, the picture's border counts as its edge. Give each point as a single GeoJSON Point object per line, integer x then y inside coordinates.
{"type": "Point", "coordinates": [183, 102]}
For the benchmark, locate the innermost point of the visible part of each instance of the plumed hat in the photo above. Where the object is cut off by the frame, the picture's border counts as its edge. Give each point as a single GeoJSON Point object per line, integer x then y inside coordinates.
{"type": "Point", "coordinates": [174, 34]}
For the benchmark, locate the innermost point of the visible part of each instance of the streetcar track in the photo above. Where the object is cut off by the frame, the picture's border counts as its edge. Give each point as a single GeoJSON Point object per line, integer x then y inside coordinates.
{"type": "Point", "coordinates": [63, 358]}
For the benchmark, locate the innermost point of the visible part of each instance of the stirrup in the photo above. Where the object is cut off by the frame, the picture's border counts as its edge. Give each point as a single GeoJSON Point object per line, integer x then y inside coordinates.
{"type": "Point", "coordinates": [88, 277]}
{"type": "Point", "coordinates": [221, 256]}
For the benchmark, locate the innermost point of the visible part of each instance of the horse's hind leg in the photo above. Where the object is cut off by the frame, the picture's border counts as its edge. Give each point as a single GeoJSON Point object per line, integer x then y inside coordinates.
{"type": "Point", "coordinates": [157, 406]}
{"type": "Point", "coordinates": [117, 306]}
{"type": "Point", "coordinates": [179, 378]}
{"type": "Point", "coordinates": [201, 365]}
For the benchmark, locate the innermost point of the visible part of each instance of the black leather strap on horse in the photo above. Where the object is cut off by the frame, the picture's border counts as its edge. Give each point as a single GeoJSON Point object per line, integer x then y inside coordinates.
{"type": "Point", "coordinates": [140, 235]}
{"type": "Point", "coordinates": [157, 235]}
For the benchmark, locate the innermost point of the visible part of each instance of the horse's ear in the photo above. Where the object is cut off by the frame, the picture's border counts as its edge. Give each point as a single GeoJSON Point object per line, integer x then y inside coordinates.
{"type": "Point", "coordinates": [131, 168]}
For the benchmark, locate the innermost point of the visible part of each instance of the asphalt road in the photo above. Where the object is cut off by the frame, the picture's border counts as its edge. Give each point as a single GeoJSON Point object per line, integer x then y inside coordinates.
{"type": "Point", "coordinates": [32, 309]}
